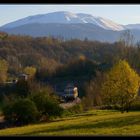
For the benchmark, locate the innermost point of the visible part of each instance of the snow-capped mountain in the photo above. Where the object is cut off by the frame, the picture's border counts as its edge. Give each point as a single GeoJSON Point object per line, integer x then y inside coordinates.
{"type": "Point", "coordinates": [70, 25]}
{"type": "Point", "coordinates": [67, 18]}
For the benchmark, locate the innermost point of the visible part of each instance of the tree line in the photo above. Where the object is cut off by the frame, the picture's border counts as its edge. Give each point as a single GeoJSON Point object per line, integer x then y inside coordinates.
{"type": "Point", "coordinates": [46, 53]}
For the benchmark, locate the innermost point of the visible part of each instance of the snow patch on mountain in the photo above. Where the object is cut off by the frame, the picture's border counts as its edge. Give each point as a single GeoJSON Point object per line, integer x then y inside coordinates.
{"type": "Point", "coordinates": [68, 18]}
{"type": "Point", "coordinates": [108, 24]}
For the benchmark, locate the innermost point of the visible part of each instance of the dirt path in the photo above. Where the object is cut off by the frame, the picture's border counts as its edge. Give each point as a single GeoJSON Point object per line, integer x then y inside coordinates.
{"type": "Point", "coordinates": [70, 104]}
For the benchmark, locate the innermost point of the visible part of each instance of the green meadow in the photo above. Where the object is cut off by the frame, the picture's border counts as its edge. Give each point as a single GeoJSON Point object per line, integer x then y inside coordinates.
{"type": "Point", "coordinates": [92, 123]}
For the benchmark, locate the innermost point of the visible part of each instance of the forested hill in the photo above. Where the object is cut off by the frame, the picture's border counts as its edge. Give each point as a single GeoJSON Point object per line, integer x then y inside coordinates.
{"type": "Point", "coordinates": [49, 52]}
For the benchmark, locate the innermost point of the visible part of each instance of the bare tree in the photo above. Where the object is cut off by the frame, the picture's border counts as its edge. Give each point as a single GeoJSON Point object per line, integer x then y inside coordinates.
{"type": "Point", "coordinates": [127, 38]}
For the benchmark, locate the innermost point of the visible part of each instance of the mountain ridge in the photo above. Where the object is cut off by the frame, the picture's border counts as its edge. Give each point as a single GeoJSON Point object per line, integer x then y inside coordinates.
{"type": "Point", "coordinates": [70, 25]}
{"type": "Point", "coordinates": [66, 17]}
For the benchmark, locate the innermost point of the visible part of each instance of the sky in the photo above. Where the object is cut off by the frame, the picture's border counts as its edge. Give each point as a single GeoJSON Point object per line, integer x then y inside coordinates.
{"type": "Point", "coordinates": [122, 14]}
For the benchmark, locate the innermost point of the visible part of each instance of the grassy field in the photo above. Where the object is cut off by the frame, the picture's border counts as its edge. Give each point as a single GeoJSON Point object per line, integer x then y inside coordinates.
{"type": "Point", "coordinates": [95, 122]}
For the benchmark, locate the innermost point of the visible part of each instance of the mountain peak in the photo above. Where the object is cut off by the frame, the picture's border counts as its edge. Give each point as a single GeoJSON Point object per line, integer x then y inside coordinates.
{"type": "Point", "coordinates": [66, 17]}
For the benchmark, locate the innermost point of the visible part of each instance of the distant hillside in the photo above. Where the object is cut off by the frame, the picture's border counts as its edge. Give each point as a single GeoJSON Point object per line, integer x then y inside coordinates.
{"type": "Point", "coordinates": [133, 26]}
{"type": "Point", "coordinates": [67, 31]}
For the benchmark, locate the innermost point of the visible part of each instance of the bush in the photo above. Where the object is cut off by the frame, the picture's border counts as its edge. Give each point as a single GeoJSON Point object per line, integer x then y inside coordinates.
{"type": "Point", "coordinates": [52, 108]}
{"type": "Point", "coordinates": [46, 105]}
{"type": "Point", "coordinates": [75, 109]}
{"type": "Point", "coordinates": [21, 111]}
{"type": "Point", "coordinates": [93, 92]}
{"type": "Point", "coordinates": [136, 104]}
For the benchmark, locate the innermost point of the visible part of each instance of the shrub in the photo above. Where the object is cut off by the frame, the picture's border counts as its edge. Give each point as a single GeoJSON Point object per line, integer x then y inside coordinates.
{"type": "Point", "coordinates": [75, 109]}
{"type": "Point", "coordinates": [52, 108]}
{"type": "Point", "coordinates": [136, 104]}
{"type": "Point", "coordinates": [21, 111]}
{"type": "Point", "coordinates": [47, 105]}
{"type": "Point", "coordinates": [92, 96]}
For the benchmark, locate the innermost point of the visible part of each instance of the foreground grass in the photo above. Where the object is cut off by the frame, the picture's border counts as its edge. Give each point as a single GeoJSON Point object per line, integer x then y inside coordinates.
{"type": "Point", "coordinates": [95, 122]}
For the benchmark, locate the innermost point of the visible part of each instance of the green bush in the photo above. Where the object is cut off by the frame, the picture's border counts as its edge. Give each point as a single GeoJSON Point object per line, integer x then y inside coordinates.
{"type": "Point", "coordinates": [136, 104]}
{"type": "Point", "coordinates": [52, 108]}
{"type": "Point", "coordinates": [46, 105]}
{"type": "Point", "coordinates": [21, 111]}
{"type": "Point", "coordinates": [75, 109]}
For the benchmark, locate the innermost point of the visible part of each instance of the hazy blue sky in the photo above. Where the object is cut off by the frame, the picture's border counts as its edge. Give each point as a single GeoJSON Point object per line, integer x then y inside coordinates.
{"type": "Point", "coordinates": [122, 14]}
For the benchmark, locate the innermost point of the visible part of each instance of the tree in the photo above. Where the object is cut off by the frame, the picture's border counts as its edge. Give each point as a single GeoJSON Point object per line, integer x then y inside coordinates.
{"type": "Point", "coordinates": [121, 86]}
{"type": "Point", "coordinates": [3, 70]}
{"type": "Point", "coordinates": [30, 71]}
{"type": "Point", "coordinates": [3, 35]}
{"type": "Point", "coordinates": [21, 111]}
{"type": "Point", "coordinates": [92, 90]}
{"type": "Point", "coordinates": [23, 88]}
{"type": "Point", "coordinates": [127, 38]}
